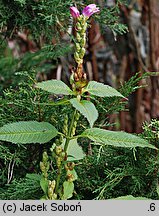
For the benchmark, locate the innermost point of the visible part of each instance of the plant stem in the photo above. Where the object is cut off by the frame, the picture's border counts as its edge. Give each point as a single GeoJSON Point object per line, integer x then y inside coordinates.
{"type": "Point", "coordinates": [65, 150]}
{"type": "Point", "coordinates": [69, 131]}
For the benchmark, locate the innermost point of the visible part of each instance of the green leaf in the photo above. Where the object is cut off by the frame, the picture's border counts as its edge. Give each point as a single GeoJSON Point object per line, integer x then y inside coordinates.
{"type": "Point", "coordinates": [44, 197]}
{"type": "Point", "coordinates": [44, 185]}
{"type": "Point", "coordinates": [33, 176]}
{"type": "Point", "coordinates": [101, 90]}
{"type": "Point", "coordinates": [130, 197]}
{"type": "Point", "coordinates": [74, 151]}
{"type": "Point", "coordinates": [28, 132]}
{"type": "Point", "coordinates": [115, 138]}
{"type": "Point", "coordinates": [68, 188]}
{"type": "Point", "coordinates": [87, 109]}
{"type": "Point", "coordinates": [55, 87]}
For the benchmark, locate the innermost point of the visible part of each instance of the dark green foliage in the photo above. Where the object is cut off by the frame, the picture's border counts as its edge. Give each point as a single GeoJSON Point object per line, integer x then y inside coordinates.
{"type": "Point", "coordinates": [22, 189]}
{"type": "Point", "coordinates": [44, 60]}
{"type": "Point", "coordinates": [114, 172]}
{"type": "Point", "coordinates": [40, 17]}
{"type": "Point", "coordinates": [110, 17]}
{"type": "Point", "coordinates": [108, 173]}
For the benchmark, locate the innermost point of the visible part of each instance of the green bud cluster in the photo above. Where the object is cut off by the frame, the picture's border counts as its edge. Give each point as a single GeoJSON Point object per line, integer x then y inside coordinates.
{"type": "Point", "coordinates": [69, 167]}
{"type": "Point", "coordinates": [59, 155]}
{"type": "Point", "coordinates": [44, 165]}
{"type": "Point", "coordinates": [65, 125]}
{"type": "Point", "coordinates": [75, 124]}
{"type": "Point", "coordinates": [78, 80]}
{"type": "Point", "coordinates": [59, 140]}
{"type": "Point", "coordinates": [51, 187]}
{"type": "Point", "coordinates": [81, 27]}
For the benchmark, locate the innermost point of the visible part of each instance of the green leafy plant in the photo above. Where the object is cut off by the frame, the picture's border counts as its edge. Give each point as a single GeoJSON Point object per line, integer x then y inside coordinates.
{"type": "Point", "coordinates": [65, 150]}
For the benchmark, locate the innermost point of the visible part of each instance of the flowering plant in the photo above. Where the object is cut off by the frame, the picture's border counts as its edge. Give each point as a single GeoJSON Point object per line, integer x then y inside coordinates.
{"type": "Point", "coordinates": [65, 150]}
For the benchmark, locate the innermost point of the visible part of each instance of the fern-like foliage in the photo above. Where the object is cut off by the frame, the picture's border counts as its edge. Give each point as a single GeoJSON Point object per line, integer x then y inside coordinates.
{"type": "Point", "coordinates": [109, 17]}
{"type": "Point", "coordinates": [24, 188]}
{"type": "Point", "coordinates": [44, 17]}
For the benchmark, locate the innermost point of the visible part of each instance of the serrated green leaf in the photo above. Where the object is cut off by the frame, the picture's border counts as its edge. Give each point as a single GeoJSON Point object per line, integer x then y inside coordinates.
{"type": "Point", "coordinates": [86, 108]}
{"type": "Point", "coordinates": [101, 90]}
{"type": "Point", "coordinates": [28, 132]}
{"type": "Point", "coordinates": [74, 151]}
{"type": "Point", "coordinates": [130, 197]}
{"type": "Point", "coordinates": [68, 188]}
{"type": "Point", "coordinates": [55, 87]}
{"type": "Point", "coordinates": [44, 185]}
{"type": "Point", "coordinates": [115, 138]}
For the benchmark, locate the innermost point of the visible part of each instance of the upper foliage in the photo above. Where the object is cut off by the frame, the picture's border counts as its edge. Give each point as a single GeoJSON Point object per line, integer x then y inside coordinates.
{"type": "Point", "coordinates": [48, 18]}
{"type": "Point", "coordinates": [40, 17]}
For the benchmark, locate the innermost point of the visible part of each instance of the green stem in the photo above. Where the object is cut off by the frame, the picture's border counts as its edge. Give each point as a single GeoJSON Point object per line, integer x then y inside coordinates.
{"type": "Point", "coordinates": [65, 150]}
{"type": "Point", "coordinates": [69, 131]}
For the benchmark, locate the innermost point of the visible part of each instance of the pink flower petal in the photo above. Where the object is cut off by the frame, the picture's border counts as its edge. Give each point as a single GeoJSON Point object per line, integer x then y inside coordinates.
{"type": "Point", "coordinates": [74, 12]}
{"type": "Point", "coordinates": [89, 10]}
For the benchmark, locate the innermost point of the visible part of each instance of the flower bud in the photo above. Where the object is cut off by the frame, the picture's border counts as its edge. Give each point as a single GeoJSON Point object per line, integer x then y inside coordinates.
{"type": "Point", "coordinates": [76, 55]}
{"type": "Point", "coordinates": [77, 46]}
{"type": "Point", "coordinates": [52, 147]}
{"type": "Point", "coordinates": [83, 41]}
{"type": "Point", "coordinates": [63, 155]}
{"type": "Point", "coordinates": [50, 193]}
{"type": "Point", "coordinates": [45, 157]}
{"type": "Point", "coordinates": [80, 18]}
{"type": "Point", "coordinates": [74, 12]}
{"type": "Point", "coordinates": [49, 183]}
{"type": "Point", "coordinates": [84, 27]}
{"type": "Point", "coordinates": [42, 167]}
{"type": "Point", "coordinates": [53, 183]}
{"type": "Point", "coordinates": [78, 26]}
{"type": "Point", "coordinates": [82, 52]}
{"type": "Point", "coordinates": [77, 58]}
{"type": "Point", "coordinates": [58, 161]}
{"type": "Point", "coordinates": [54, 196]}
{"type": "Point", "coordinates": [78, 36]}
{"type": "Point", "coordinates": [65, 125]}
{"type": "Point", "coordinates": [90, 10]}
{"type": "Point", "coordinates": [58, 150]}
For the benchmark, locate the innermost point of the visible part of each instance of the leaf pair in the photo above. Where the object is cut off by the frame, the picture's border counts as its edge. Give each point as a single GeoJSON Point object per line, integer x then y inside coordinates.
{"type": "Point", "coordinates": [85, 107]}
{"type": "Point", "coordinates": [93, 87]}
{"type": "Point", "coordinates": [42, 132]}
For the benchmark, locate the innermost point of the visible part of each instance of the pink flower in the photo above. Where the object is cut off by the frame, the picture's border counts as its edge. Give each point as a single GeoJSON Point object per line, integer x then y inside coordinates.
{"type": "Point", "coordinates": [89, 10]}
{"type": "Point", "coordinates": [74, 12]}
